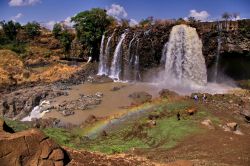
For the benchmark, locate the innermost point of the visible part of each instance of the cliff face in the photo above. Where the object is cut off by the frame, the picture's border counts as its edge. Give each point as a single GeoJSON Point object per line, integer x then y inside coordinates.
{"type": "Point", "coordinates": [149, 41]}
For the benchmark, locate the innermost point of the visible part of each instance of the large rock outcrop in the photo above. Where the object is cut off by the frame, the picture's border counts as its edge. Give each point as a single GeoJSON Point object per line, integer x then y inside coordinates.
{"type": "Point", "coordinates": [29, 147]}
{"type": "Point", "coordinates": [33, 148]}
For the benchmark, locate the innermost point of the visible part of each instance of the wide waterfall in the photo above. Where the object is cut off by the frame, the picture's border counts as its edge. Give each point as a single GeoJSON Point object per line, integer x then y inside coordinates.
{"type": "Point", "coordinates": [102, 65]}
{"type": "Point", "coordinates": [116, 62]}
{"type": "Point", "coordinates": [184, 60]}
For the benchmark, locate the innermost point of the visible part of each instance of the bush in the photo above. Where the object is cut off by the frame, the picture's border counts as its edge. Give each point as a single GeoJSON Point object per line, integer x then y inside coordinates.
{"type": "Point", "coordinates": [32, 29]}
{"type": "Point", "coordinates": [57, 30]}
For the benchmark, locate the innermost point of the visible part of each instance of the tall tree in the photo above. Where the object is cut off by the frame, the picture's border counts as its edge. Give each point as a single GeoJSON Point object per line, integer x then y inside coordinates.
{"type": "Point", "coordinates": [10, 29]}
{"type": "Point", "coordinates": [90, 26]}
{"type": "Point", "coordinates": [57, 30]}
{"type": "Point", "coordinates": [226, 16]}
{"type": "Point", "coordinates": [32, 29]}
{"type": "Point", "coordinates": [66, 40]}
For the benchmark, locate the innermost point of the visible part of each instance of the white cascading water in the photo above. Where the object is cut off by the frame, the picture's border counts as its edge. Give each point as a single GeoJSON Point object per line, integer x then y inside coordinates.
{"type": "Point", "coordinates": [116, 62]}
{"type": "Point", "coordinates": [38, 111]}
{"type": "Point", "coordinates": [163, 53]}
{"type": "Point", "coordinates": [104, 54]}
{"type": "Point", "coordinates": [185, 63]}
{"type": "Point", "coordinates": [216, 68]}
{"type": "Point", "coordinates": [130, 56]}
{"type": "Point", "coordinates": [102, 65]}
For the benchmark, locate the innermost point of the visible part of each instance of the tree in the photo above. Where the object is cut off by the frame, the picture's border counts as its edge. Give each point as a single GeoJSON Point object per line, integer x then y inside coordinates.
{"type": "Point", "coordinates": [10, 29]}
{"type": "Point", "coordinates": [32, 29]}
{"type": "Point", "coordinates": [147, 21]}
{"type": "Point", "coordinates": [66, 40]}
{"type": "Point", "coordinates": [90, 26]}
{"type": "Point", "coordinates": [57, 30]}
{"type": "Point", "coordinates": [226, 16]}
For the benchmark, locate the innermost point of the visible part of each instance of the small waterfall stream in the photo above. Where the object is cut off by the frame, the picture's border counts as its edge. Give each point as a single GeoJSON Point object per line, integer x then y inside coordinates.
{"type": "Point", "coordinates": [184, 60]}
{"type": "Point", "coordinates": [116, 62]}
{"type": "Point", "coordinates": [102, 63]}
{"type": "Point", "coordinates": [216, 68]}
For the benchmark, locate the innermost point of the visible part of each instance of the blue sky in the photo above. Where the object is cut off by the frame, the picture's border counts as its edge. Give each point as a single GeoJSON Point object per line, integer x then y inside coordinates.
{"type": "Point", "coordinates": [45, 11]}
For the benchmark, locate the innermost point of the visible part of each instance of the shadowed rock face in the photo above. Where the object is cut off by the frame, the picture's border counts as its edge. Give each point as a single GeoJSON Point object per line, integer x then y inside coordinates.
{"type": "Point", "coordinates": [29, 147]}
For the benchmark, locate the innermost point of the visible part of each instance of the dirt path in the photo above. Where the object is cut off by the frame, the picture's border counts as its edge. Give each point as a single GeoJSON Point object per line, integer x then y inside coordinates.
{"type": "Point", "coordinates": [211, 147]}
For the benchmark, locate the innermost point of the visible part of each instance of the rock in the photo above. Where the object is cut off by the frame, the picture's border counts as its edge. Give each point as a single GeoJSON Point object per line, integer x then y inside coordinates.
{"type": "Point", "coordinates": [164, 93]}
{"type": "Point", "coordinates": [191, 111]}
{"type": "Point", "coordinates": [99, 94]}
{"type": "Point", "coordinates": [115, 88]}
{"type": "Point", "coordinates": [99, 79]}
{"type": "Point", "coordinates": [33, 148]}
{"type": "Point", "coordinates": [68, 112]}
{"type": "Point", "coordinates": [233, 126]}
{"type": "Point", "coordinates": [19, 104]}
{"type": "Point", "coordinates": [140, 98]}
{"type": "Point", "coordinates": [151, 123]}
{"type": "Point", "coordinates": [91, 119]}
{"type": "Point", "coordinates": [246, 114]}
{"type": "Point", "coordinates": [56, 155]}
{"type": "Point", "coordinates": [208, 123]}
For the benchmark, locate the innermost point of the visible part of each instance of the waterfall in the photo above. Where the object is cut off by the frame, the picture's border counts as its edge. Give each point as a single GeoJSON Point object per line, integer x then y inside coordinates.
{"type": "Point", "coordinates": [104, 54]}
{"type": "Point", "coordinates": [38, 111]}
{"type": "Point", "coordinates": [102, 63]}
{"type": "Point", "coordinates": [116, 62]}
{"type": "Point", "coordinates": [216, 68]}
{"type": "Point", "coordinates": [137, 62]}
{"type": "Point", "coordinates": [129, 49]}
{"type": "Point", "coordinates": [184, 60]}
{"type": "Point", "coordinates": [163, 53]}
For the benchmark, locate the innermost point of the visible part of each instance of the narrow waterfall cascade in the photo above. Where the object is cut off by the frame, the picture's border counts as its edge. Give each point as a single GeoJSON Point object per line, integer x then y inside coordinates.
{"type": "Point", "coordinates": [216, 67]}
{"type": "Point", "coordinates": [104, 54]}
{"type": "Point", "coordinates": [163, 53]}
{"type": "Point", "coordinates": [116, 62]}
{"type": "Point", "coordinates": [185, 63]}
{"type": "Point", "coordinates": [102, 63]}
{"type": "Point", "coordinates": [137, 62]}
{"type": "Point", "coordinates": [38, 111]}
{"type": "Point", "coordinates": [130, 55]}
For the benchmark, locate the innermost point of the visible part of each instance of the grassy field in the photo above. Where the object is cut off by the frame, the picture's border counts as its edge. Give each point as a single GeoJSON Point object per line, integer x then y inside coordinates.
{"type": "Point", "coordinates": [136, 133]}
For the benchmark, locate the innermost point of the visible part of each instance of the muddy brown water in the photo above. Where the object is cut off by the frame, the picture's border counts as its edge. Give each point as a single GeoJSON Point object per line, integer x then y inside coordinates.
{"type": "Point", "coordinates": [113, 102]}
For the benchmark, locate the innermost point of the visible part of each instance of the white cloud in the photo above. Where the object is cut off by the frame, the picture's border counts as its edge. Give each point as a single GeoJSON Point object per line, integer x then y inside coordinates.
{"type": "Point", "coordinates": [23, 2]}
{"type": "Point", "coordinates": [50, 24]}
{"type": "Point", "coordinates": [68, 22]}
{"type": "Point", "coordinates": [133, 22]}
{"type": "Point", "coordinates": [117, 11]}
{"type": "Point", "coordinates": [202, 15]}
{"type": "Point", "coordinates": [16, 17]}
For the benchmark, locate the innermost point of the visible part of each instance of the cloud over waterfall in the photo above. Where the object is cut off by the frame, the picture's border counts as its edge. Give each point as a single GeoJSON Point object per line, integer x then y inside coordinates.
{"type": "Point", "coordinates": [23, 2]}
{"type": "Point", "coordinates": [202, 15]}
{"type": "Point", "coordinates": [117, 11]}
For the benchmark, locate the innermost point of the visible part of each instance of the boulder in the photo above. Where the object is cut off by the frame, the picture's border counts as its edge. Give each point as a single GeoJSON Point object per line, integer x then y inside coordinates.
{"type": "Point", "coordinates": [165, 93]}
{"type": "Point", "coordinates": [140, 98]}
{"type": "Point", "coordinates": [208, 123]}
{"type": "Point", "coordinates": [191, 111]}
{"type": "Point", "coordinates": [233, 126]}
{"type": "Point", "coordinates": [30, 147]}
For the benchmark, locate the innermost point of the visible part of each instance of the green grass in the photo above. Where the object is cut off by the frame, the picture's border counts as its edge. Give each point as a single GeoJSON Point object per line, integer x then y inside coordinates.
{"type": "Point", "coordinates": [16, 125]}
{"type": "Point", "coordinates": [167, 133]}
{"type": "Point", "coordinates": [62, 136]}
{"type": "Point", "coordinates": [17, 47]}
